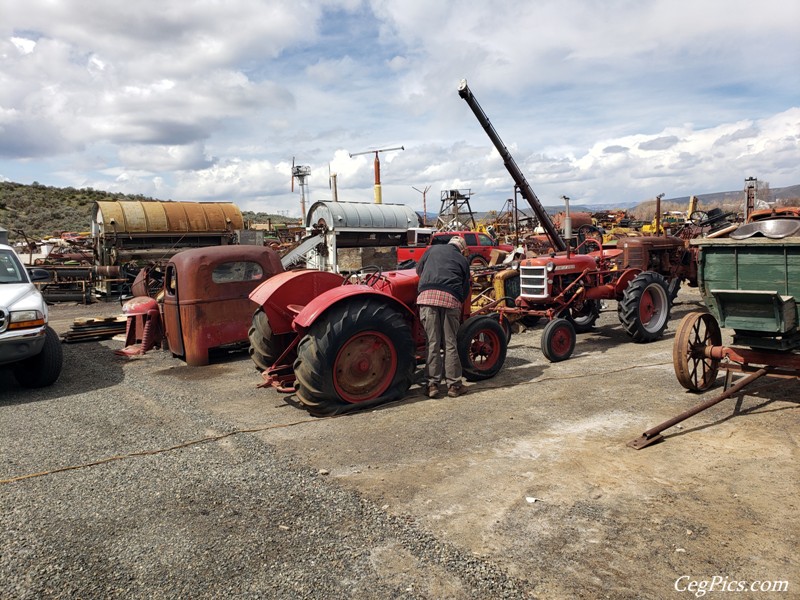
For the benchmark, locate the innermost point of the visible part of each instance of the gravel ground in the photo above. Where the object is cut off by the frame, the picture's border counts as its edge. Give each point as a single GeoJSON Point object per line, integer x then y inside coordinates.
{"type": "Point", "coordinates": [222, 518]}
{"type": "Point", "coordinates": [142, 477]}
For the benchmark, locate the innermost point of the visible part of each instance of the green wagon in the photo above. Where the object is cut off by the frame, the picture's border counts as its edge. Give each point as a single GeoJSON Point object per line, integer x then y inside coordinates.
{"type": "Point", "coordinates": [750, 285]}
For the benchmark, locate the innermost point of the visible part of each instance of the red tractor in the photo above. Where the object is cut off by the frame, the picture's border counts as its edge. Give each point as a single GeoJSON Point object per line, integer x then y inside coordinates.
{"type": "Point", "coordinates": [343, 343]}
{"type": "Point", "coordinates": [567, 289]}
{"type": "Point", "coordinates": [643, 274]}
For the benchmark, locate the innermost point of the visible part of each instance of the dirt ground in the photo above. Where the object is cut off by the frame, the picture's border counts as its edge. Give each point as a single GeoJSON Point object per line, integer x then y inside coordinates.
{"type": "Point", "coordinates": [531, 469]}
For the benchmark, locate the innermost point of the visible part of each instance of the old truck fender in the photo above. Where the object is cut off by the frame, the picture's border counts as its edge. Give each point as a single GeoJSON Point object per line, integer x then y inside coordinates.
{"type": "Point", "coordinates": [282, 295]}
{"type": "Point", "coordinates": [319, 305]}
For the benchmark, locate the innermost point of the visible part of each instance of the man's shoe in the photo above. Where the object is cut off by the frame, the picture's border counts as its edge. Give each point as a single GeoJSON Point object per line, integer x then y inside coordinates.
{"type": "Point", "coordinates": [455, 390]}
{"type": "Point", "coordinates": [433, 390]}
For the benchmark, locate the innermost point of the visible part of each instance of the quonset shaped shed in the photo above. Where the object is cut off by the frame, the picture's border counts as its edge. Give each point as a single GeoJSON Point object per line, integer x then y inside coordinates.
{"type": "Point", "coordinates": [358, 226]}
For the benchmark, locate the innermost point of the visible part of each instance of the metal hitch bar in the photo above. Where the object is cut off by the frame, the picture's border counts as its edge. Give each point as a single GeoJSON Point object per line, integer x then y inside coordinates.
{"type": "Point", "coordinates": [653, 435]}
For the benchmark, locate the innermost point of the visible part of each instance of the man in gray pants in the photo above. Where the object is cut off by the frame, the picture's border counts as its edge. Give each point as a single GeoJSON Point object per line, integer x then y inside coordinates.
{"type": "Point", "coordinates": [444, 285]}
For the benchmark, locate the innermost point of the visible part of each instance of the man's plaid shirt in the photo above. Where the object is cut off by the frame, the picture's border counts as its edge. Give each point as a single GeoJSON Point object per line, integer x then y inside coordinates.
{"type": "Point", "coordinates": [438, 298]}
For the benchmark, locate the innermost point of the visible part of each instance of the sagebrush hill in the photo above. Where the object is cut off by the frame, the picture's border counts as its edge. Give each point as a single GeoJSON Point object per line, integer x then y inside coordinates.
{"type": "Point", "coordinates": [38, 211]}
{"type": "Point", "coordinates": [41, 211]}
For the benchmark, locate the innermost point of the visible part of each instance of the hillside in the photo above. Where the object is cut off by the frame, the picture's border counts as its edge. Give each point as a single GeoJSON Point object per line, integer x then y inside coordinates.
{"type": "Point", "coordinates": [42, 212]}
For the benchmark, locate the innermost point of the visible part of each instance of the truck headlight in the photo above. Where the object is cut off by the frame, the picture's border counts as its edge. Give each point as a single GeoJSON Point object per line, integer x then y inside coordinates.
{"type": "Point", "coordinates": [23, 319]}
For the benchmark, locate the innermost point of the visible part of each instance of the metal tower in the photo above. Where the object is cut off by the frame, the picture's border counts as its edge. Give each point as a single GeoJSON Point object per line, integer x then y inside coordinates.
{"type": "Point", "coordinates": [455, 212]}
{"type": "Point", "coordinates": [301, 173]}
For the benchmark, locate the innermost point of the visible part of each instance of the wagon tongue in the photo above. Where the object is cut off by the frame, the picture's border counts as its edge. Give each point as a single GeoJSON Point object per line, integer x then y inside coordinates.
{"type": "Point", "coordinates": [653, 435]}
{"type": "Point", "coordinates": [643, 441]}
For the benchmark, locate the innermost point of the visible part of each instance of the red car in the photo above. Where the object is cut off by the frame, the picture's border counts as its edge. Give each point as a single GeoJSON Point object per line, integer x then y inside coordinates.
{"type": "Point", "coordinates": [480, 247]}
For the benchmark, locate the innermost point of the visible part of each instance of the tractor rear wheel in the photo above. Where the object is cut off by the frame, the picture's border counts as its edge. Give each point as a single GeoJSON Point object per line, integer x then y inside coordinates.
{"type": "Point", "coordinates": [482, 347]}
{"type": "Point", "coordinates": [359, 352]}
{"type": "Point", "coordinates": [694, 371]}
{"type": "Point", "coordinates": [584, 314]}
{"type": "Point", "coordinates": [265, 346]}
{"type": "Point", "coordinates": [558, 340]}
{"type": "Point", "coordinates": [644, 308]}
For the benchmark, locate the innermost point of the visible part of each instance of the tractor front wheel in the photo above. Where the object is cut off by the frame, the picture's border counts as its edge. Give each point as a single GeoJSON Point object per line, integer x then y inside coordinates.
{"type": "Point", "coordinates": [644, 308]}
{"type": "Point", "coordinates": [359, 352]}
{"type": "Point", "coordinates": [558, 340]}
{"type": "Point", "coordinates": [265, 346]}
{"type": "Point", "coordinates": [482, 347]}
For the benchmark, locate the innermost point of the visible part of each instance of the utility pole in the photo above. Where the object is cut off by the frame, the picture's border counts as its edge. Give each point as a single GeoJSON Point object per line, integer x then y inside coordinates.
{"type": "Point", "coordinates": [378, 195]}
{"type": "Point", "coordinates": [424, 204]}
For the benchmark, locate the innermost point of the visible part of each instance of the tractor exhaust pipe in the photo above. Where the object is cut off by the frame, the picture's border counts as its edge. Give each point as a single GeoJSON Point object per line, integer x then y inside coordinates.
{"type": "Point", "coordinates": [567, 225]}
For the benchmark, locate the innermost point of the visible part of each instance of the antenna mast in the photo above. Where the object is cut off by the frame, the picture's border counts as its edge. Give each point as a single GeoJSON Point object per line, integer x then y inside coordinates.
{"type": "Point", "coordinates": [378, 195]}
{"type": "Point", "coordinates": [424, 205]}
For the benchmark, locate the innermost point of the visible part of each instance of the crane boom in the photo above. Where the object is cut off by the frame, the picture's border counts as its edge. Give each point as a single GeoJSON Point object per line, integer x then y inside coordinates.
{"type": "Point", "coordinates": [511, 165]}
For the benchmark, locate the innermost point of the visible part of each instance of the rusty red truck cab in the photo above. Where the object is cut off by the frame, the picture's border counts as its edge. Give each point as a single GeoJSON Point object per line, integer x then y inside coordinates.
{"type": "Point", "coordinates": [206, 297]}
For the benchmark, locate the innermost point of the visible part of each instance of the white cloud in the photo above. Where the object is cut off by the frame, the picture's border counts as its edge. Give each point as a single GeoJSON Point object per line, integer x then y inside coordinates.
{"type": "Point", "coordinates": [598, 101]}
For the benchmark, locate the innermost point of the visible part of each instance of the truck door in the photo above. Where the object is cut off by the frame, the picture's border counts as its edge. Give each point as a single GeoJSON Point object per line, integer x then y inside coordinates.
{"type": "Point", "coordinates": [172, 313]}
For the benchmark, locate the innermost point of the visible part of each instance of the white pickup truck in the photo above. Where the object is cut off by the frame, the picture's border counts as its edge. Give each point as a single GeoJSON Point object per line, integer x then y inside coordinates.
{"type": "Point", "coordinates": [27, 343]}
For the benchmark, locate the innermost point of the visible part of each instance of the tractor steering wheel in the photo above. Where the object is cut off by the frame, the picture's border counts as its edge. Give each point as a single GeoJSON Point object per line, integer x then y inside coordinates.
{"type": "Point", "coordinates": [699, 218]}
{"type": "Point", "coordinates": [372, 274]}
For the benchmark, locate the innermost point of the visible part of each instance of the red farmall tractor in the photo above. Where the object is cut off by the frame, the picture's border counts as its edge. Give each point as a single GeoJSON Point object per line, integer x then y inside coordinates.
{"type": "Point", "coordinates": [343, 343]}
{"type": "Point", "coordinates": [565, 286]}
{"type": "Point", "coordinates": [567, 290]}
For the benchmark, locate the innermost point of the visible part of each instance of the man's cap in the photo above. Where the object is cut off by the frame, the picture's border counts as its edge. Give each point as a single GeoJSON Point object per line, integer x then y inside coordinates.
{"type": "Point", "coordinates": [458, 241]}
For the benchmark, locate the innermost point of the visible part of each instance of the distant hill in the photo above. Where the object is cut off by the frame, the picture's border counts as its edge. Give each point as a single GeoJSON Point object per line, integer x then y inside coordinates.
{"type": "Point", "coordinates": [727, 201]}
{"type": "Point", "coordinates": [41, 211]}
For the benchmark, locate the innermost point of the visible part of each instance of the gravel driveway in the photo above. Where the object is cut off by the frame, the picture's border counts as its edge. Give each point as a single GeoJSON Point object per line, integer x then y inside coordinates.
{"type": "Point", "coordinates": [142, 477]}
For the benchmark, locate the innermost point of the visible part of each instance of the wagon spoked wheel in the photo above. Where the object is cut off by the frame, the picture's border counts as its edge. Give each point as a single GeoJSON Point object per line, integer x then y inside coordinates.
{"type": "Point", "coordinates": [359, 352]}
{"type": "Point", "coordinates": [558, 340]}
{"type": "Point", "coordinates": [694, 370]}
{"type": "Point", "coordinates": [482, 346]}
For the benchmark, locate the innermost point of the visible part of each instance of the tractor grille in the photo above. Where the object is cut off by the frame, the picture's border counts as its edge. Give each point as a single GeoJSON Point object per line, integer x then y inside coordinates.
{"type": "Point", "coordinates": [533, 282]}
{"type": "Point", "coordinates": [634, 257]}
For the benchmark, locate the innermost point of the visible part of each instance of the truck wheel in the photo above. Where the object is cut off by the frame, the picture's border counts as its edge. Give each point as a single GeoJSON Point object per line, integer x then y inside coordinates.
{"type": "Point", "coordinates": [44, 368]}
{"type": "Point", "coordinates": [265, 347]}
{"type": "Point", "coordinates": [482, 347]}
{"type": "Point", "coordinates": [644, 308]}
{"type": "Point", "coordinates": [476, 260]}
{"type": "Point", "coordinates": [360, 352]}
{"type": "Point", "coordinates": [584, 315]}
{"type": "Point", "coordinates": [558, 340]}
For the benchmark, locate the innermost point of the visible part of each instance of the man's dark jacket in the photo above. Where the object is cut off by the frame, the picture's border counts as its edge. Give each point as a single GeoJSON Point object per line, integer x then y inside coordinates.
{"type": "Point", "coordinates": [444, 268]}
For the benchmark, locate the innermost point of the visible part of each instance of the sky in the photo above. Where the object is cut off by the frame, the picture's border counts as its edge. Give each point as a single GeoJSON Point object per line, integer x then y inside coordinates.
{"type": "Point", "coordinates": [603, 101]}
